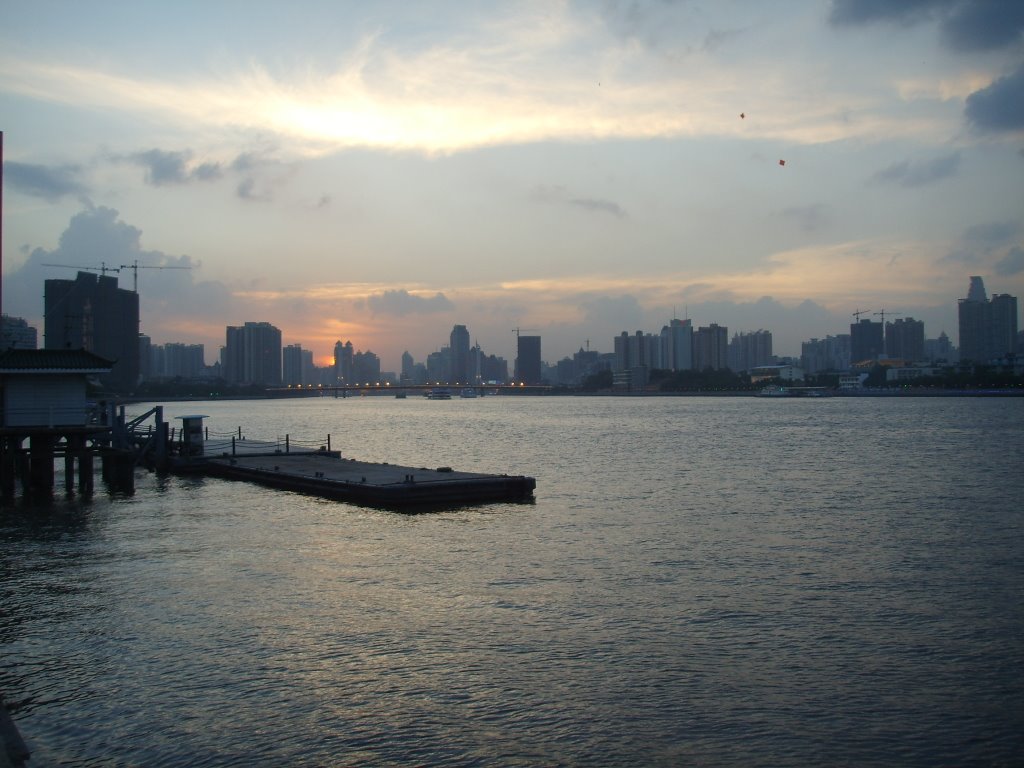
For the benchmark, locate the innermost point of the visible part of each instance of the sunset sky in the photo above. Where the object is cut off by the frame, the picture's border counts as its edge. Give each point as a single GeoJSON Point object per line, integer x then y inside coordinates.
{"type": "Point", "coordinates": [378, 172]}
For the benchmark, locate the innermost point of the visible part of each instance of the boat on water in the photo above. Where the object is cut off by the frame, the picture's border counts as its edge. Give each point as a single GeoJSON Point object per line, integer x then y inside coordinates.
{"type": "Point", "coordinates": [439, 394]}
{"type": "Point", "coordinates": [468, 392]}
{"type": "Point", "coordinates": [780, 391]}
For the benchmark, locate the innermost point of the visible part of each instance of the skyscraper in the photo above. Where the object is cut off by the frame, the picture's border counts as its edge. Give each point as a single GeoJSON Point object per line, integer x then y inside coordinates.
{"type": "Point", "coordinates": [291, 358]}
{"type": "Point", "coordinates": [528, 360]}
{"type": "Point", "coordinates": [253, 354]}
{"type": "Point", "coordinates": [904, 339]}
{"type": "Point", "coordinates": [677, 345]}
{"type": "Point", "coordinates": [459, 345]}
{"type": "Point", "coordinates": [866, 341]}
{"type": "Point", "coordinates": [711, 347]}
{"type": "Point", "coordinates": [988, 329]}
{"type": "Point", "coordinates": [750, 350]}
{"type": "Point", "coordinates": [92, 313]}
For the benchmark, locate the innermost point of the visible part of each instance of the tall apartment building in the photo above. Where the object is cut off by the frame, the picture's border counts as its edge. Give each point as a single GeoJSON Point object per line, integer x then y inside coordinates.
{"type": "Point", "coordinates": [904, 339]}
{"type": "Point", "coordinates": [750, 350]}
{"type": "Point", "coordinates": [677, 345]}
{"type": "Point", "coordinates": [829, 354]}
{"type": "Point", "coordinates": [528, 368]}
{"type": "Point", "coordinates": [988, 329]}
{"type": "Point", "coordinates": [344, 356]}
{"type": "Point", "coordinates": [92, 313]}
{"type": "Point", "coordinates": [711, 347]}
{"type": "Point", "coordinates": [253, 354]}
{"type": "Point", "coordinates": [16, 333]}
{"type": "Point", "coordinates": [866, 341]}
{"type": "Point", "coordinates": [459, 360]}
{"type": "Point", "coordinates": [292, 366]}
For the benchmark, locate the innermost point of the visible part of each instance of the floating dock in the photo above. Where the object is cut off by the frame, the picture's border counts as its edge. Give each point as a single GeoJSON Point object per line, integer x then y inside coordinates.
{"type": "Point", "coordinates": [325, 473]}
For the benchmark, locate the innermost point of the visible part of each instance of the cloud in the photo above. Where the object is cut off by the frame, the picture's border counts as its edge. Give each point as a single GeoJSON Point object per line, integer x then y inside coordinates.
{"type": "Point", "coordinates": [599, 206]}
{"type": "Point", "coordinates": [906, 12]}
{"type": "Point", "coordinates": [992, 234]}
{"type": "Point", "coordinates": [810, 218]}
{"type": "Point", "coordinates": [982, 25]}
{"type": "Point", "coordinates": [1012, 263]}
{"type": "Point", "coordinates": [966, 25]}
{"type": "Point", "coordinates": [1000, 106]}
{"type": "Point", "coordinates": [623, 312]}
{"type": "Point", "coordinates": [96, 239]}
{"type": "Point", "coordinates": [402, 302]}
{"type": "Point", "coordinates": [51, 183]}
{"type": "Point", "coordinates": [909, 174]}
{"type": "Point", "coordinates": [556, 194]}
{"type": "Point", "coordinates": [169, 167]}
{"type": "Point", "coordinates": [981, 241]}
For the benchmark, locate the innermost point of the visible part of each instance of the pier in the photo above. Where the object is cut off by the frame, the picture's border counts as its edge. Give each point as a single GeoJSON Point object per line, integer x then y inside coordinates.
{"type": "Point", "coordinates": [312, 467]}
{"type": "Point", "coordinates": [325, 473]}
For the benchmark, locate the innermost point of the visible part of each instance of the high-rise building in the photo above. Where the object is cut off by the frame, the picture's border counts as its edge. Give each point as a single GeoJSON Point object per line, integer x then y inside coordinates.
{"type": "Point", "coordinates": [829, 354]}
{"type": "Point", "coordinates": [940, 349]}
{"type": "Point", "coordinates": [408, 368]}
{"type": "Point", "coordinates": [16, 333]}
{"type": "Point", "coordinates": [459, 346]}
{"type": "Point", "coordinates": [988, 329]}
{"type": "Point", "coordinates": [92, 313]}
{"type": "Point", "coordinates": [528, 368]}
{"type": "Point", "coordinates": [677, 345]}
{"type": "Point", "coordinates": [291, 360]}
{"type": "Point", "coordinates": [711, 347]}
{"type": "Point", "coordinates": [904, 339]}
{"type": "Point", "coordinates": [344, 355]}
{"type": "Point", "coordinates": [253, 354]}
{"type": "Point", "coordinates": [750, 350]}
{"type": "Point", "coordinates": [866, 341]}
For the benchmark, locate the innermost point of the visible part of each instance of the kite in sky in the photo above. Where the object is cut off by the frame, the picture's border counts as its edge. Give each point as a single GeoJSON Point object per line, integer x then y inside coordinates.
{"type": "Point", "coordinates": [782, 162]}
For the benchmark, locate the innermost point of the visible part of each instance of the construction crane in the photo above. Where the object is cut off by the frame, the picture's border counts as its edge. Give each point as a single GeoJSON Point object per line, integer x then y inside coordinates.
{"type": "Point", "coordinates": [135, 267]}
{"type": "Point", "coordinates": [860, 312]}
{"type": "Point", "coordinates": [883, 313]}
{"type": "Point", "coordinates": [102, 269]}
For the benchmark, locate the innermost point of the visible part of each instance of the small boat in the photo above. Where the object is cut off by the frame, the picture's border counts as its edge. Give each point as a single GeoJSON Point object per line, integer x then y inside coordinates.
{"type": "Point", "coordinates": [468, 392]}
{"type": "Point", "coordinates": [439, 394]}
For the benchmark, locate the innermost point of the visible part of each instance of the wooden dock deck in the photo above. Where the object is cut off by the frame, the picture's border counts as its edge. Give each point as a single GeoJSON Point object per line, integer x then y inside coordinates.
{"type": "Point", "coordinates": [325, 473]}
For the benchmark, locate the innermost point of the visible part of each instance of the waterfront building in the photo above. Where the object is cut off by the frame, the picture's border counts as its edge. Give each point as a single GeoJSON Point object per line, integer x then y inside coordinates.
{"type": "Point", "coordinates": [459, 360]}
{"type": "Point", "coordinates": [905, 339]}
{"type": "Point", "coordinates": [677, 345]}
{"type": "Point", "coordinates": [711, 348]}
{"type": "Point", "coordinates": [408, 368]}
{"type": "Point", "coordinates": [365, 367]}
{"type": "Point", "coordinates": [829, 354]}
{"type": "Point", "coordinates": [866, 341]}
{"type": "Point", "coordinates": [988, 329]}
{"type": "Point", "coordinates": [750, 350]}
{"type": "Point", "coordinates": [92, 313]}
{"type": "Point", "coordinates": [528, 367]}
{"type": "Point", "coordinates": [145, 357]}
{"type": "Point", "coordinates": [344, 355]}
{"type": "Point", "coordinates": [16, 333]}
{"type": "Point", "coordinates": [940, 349]}
{"type": "Point", "coordinates": [252, 354]}
{"type": "Point", "coordinates": [291, 359]}
{"type": "Point", "coordinates": [175, 360]}
{"type": "Point", "coordinates": [438, 366]}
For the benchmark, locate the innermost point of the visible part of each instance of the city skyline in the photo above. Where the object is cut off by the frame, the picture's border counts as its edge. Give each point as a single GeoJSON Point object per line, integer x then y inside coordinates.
{"type": "Point", "coordinates": [383, 173]}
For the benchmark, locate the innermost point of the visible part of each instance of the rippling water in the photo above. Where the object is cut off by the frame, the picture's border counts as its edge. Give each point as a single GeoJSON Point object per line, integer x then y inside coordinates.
{"type": "Point", "coordinates": [704, 581]}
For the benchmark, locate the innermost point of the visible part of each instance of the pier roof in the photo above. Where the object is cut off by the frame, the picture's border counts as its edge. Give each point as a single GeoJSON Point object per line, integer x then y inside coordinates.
{"type": "Point", "coordinates": [16, 361]}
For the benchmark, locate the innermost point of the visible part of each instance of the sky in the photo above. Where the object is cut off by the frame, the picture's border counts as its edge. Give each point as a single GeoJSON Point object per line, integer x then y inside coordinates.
{"type": "Point", "coordinates": [379, 172]}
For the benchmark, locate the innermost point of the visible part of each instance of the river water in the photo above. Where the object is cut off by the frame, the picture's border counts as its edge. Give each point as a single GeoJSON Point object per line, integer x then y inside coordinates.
{"type": "Point", "coordinates": [712, 581]}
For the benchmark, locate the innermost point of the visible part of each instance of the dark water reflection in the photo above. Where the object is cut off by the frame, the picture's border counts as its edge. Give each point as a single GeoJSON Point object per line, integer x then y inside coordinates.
{"type": "Point", "coordinates": [699, 581]}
